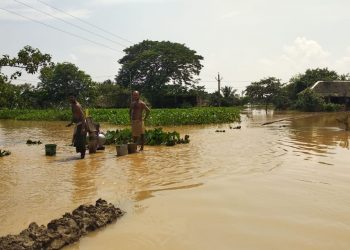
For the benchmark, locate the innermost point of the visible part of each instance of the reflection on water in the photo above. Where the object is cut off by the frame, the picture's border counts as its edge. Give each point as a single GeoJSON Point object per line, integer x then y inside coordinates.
{"type": "Point", "coordinates": [258, 178]}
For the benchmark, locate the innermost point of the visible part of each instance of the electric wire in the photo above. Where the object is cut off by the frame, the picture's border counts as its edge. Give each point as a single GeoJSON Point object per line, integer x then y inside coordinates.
{"type": "Point", "coordinates": [69, 23]}
{"type": "Point", "coordinates": [86, 22]}
{"type": "Point", "coordinates": [61, 30]}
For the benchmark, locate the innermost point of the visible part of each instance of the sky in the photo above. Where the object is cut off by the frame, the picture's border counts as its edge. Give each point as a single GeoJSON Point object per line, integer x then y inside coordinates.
{"type": "Point", "coordinates": [244, 40]}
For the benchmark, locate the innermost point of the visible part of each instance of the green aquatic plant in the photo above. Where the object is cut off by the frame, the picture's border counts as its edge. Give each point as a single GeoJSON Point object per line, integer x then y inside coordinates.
{"type": "Point", "coordinates": [119, 136]}
{"type": "Point", "coordinates": [158, 117]}
{"type": "Point", "coordinates": [152, 137]}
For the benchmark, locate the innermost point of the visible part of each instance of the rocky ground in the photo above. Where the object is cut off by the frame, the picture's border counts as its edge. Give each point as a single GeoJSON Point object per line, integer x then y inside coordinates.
{"type": "Point", "coordinates": [63, 231]}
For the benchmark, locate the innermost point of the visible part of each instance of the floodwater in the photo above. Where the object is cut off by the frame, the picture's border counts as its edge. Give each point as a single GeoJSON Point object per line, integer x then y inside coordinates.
{"type": "Point", "coordinates": [285, 185]}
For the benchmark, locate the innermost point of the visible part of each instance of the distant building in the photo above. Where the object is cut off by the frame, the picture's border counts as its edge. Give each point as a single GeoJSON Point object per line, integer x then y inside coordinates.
{"type": "Point", "coordinates": [333, 91]}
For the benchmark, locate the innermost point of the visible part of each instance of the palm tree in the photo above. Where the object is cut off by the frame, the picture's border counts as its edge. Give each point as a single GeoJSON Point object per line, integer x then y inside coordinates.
{"type": "Point", "coordinates": [228, 91]}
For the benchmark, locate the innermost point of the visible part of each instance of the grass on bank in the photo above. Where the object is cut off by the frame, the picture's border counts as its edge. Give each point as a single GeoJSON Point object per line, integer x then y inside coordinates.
{"type": "Point", "coordinates": [158, 117]}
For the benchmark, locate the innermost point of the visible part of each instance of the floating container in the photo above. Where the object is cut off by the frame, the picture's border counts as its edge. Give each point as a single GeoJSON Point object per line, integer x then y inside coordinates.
{"type": "Point", "coordinates": [132, 148]}
{"type": "Point", "coordinates": [50, 149]}
{"type": "Point", "coordinates": [122, 149]}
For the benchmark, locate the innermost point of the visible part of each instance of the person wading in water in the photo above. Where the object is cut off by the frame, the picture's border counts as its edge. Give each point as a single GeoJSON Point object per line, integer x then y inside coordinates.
{"type": "Point", "coordinates": [79, 136]}
{"type": "Point", "coordinates": [137, 108]}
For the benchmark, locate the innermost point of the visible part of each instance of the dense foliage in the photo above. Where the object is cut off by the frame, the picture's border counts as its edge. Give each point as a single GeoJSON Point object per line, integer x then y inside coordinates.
{"type": "Point", "coordinates": [296, 94]}
{"type": "Point", "coordinates": [264, 91]}
{"type": "Point", "coordinates": [309, 101]}
{"type": "Point", "coordinates": [150, 65]}
{"type": "Point", "coordinates": [58, 81]}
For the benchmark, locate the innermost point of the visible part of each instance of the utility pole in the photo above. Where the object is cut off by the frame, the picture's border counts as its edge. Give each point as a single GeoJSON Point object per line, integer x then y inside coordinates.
{"type": "Point", "coordinates": [219, 82]}
{"type": "Point", "coordinates": [219, 87]}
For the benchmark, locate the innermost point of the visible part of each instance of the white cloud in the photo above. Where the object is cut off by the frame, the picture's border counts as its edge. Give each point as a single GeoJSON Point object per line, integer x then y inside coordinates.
{"type": "Point", "coordinates": [16, 11]}
{"type": "Point", "coordinates": [296, 58]}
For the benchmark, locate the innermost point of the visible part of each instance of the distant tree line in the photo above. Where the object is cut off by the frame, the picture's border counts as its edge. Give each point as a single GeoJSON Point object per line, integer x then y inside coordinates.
{"type": "Point", "coordinates": [166, 73]}
{"type": "Point", "coordinates": [295, 94]}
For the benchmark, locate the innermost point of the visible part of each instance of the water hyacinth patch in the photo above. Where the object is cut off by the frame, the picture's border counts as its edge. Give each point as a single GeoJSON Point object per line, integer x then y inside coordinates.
{"type": "Point", "coordinates": [152, 137]}
{"type": "Point", "coordinates": [158, 117]}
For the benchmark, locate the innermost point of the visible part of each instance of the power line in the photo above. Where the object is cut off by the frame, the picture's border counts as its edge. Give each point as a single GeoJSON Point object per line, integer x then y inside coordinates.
{"type": "Point", "coordinates": [63, 31]}
{"type": "Point", "coordinates": [69, 23]}
{"type": "Point", "coordinates": [86, 22]}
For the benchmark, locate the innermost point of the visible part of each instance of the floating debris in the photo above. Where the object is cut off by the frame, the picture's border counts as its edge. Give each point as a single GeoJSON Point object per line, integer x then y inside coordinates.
{"type": "Point", "coordinates": [64, 231]}
{"type": "Point", "coordinates": [30, 142]}
{"type": "Point", "coordinates": [220, 131]}
{"type": "Point", "coordinates": [4, 153]}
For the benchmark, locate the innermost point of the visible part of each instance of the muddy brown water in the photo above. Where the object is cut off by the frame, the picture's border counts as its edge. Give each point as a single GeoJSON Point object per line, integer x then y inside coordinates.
{"type": "Point", "coordinates": [281, 186]}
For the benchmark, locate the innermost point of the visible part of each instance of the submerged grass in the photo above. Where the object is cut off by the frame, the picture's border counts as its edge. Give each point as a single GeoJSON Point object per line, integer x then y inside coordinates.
{"type": "Point", "coordinates": [158, 117]}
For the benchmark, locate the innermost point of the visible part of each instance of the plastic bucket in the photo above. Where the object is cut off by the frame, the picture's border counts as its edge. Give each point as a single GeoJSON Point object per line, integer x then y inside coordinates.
{"type": "Point", "coordinates": [92, 144]}
{"type": "Point", "coordinates": [122, 149]}
{"type": "Point", "coordinates": [132, 148]}
{"type": "Point", "coordinates": [50, 149]}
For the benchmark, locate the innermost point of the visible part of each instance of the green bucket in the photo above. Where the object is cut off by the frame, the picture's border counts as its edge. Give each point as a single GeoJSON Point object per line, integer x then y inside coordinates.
{"type": "Point", "coordinates": [50, 149]}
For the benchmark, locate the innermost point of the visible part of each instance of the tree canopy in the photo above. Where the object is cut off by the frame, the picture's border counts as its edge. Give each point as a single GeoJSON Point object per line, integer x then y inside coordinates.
{"type": "Point", "coordinates": [300, 82]}
{"type": "Point", "coordinates": [28, 58]}
{"type": "Point", "coordinates": [264, 91]}
{"type": "Point", "coordinates": [150, 65]}
{"type": "Point", "coordinates": [57, 81]}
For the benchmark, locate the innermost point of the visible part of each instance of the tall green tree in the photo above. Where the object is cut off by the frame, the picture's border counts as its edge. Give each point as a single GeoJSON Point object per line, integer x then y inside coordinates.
{"type": "Point", "coordinates": [150, 65]}
{"type": "Point", "coordinates": [264, 91]}
{"type": "Point", "coordinates": [57, 81]}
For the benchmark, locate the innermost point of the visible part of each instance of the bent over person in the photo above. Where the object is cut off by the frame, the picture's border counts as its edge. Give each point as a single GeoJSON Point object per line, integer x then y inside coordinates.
{"type": "Point", "coordinates": [137, 109]}
{"type": "Point", "coordinates": [78, 118]}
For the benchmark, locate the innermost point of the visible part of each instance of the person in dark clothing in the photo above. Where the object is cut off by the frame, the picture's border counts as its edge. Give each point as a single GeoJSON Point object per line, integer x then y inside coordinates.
{"type": "Point", "coordinates": [78, 118]}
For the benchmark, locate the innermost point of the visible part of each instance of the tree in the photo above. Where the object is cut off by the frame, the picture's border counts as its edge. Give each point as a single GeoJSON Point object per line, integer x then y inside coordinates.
{"type": "Point", "coordinates": [28, 58]}
{"type": "Point", "coordinates": [57, 81]}
{"type": "Point", "coordinates": [150, 65]}
{"type": "Point", "coordinates": [8, 94]}
{"type": "Point", "coordinates": [309, 101]}
{"type": "Point", "coordinates": [111, 95]}
{"type": "Point", "coordinates": [264, 91]}
{"type": "Point", "coordinates": [302, 81]}
{"type": "Point", "coordinates": [229, 96]}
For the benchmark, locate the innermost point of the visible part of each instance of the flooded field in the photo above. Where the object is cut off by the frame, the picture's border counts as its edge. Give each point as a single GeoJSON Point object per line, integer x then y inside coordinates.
{"type": "Point", "coordinates": [285, 185]}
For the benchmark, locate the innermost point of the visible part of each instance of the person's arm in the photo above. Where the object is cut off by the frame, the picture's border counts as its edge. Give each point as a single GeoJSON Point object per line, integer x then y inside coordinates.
{"type": "Point", "coordinates": [148, 111]}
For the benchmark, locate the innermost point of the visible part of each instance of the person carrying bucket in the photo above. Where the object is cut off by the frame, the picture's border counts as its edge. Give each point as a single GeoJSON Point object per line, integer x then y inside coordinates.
{"type": "Point", "coordinates": [78, 118]}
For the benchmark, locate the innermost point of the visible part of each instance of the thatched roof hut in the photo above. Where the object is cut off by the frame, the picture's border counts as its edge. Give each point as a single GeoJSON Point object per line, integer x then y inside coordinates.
{"type": "Point", "coordinates": [332, 88]}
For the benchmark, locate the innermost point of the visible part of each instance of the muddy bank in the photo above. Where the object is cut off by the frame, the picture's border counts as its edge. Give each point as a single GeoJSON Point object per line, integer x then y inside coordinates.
{"type": "Point", "coordinates": [65, 230]}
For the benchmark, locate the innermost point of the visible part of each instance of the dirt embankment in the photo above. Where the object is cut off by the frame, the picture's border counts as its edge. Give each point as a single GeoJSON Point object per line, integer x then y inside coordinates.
{"type": "Point", "coordinates": [65, 230]}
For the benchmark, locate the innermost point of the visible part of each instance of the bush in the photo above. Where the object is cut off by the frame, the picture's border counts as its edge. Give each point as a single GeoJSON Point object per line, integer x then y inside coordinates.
{"type": "Point", "coordinates": [309, 101]}
{"type": "Point", "coordinates": [331, 107]}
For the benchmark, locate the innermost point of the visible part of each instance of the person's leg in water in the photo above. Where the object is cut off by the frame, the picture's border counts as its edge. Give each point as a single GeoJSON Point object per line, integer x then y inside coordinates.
{"type": "Point", "coordinates": [142, 138]}
{"type": "Point", "coordinates": [80, 141]}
